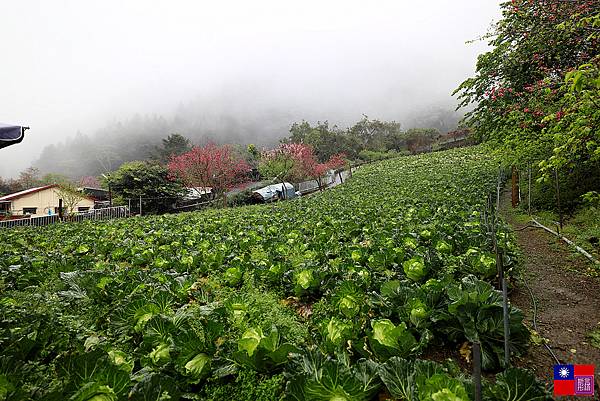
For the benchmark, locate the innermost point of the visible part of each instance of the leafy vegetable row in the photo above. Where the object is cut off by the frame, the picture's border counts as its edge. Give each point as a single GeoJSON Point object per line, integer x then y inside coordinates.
{"type": "Point", "coordinates": [314, 296]}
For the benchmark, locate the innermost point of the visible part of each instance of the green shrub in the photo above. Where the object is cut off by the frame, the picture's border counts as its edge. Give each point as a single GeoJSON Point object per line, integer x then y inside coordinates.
{"type": "Point", "coordinates": [247, 386]}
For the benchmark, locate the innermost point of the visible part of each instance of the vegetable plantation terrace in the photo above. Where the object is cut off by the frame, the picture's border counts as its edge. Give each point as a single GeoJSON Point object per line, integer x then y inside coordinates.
{"type": "Point", "coordinates": [375, 289]}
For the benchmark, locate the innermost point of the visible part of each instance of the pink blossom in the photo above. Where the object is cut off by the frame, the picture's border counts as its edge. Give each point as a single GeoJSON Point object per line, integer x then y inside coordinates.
{"type": "Point", "coordinates": [211, 166]}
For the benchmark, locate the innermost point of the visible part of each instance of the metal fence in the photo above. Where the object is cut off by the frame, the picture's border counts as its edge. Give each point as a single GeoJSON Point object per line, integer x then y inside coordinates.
{"type": "Point", "coordinates": [331, 179]}
{"type": "Point", "coordinates": [94, 214]}
{"type": "Point", "coordinates": [310, 185]}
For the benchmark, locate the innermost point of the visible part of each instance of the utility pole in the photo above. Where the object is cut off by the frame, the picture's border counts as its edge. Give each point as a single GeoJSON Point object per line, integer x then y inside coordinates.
{"type": "Point", "coordinates": [107, 179]}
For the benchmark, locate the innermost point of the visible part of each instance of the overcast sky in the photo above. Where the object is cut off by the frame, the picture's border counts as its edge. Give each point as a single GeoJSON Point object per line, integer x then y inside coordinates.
{"type": "Point", "coordinates": [76, 65]}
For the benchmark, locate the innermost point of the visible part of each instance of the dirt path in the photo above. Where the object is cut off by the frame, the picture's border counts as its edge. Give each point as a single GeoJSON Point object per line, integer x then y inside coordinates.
{"type": "Point", "coordinates": [568, 301]}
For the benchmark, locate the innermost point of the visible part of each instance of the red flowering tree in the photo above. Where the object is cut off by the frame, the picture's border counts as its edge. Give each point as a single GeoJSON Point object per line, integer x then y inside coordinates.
{"type": "Point", "coordinates": [535, 95]}
{"type": "Point", "coordinates": [210, 166]}
{"type": "Point", "coordinates": [286, 162]}
{"type": "Point", "coordinates": [89, 181]}
{"type": "Point", "coordinates": [520, 91]}
{"type": "Point", "coordinates": [296, 162]}
{"type": "Point", "coordinates": [337, 161]}
{"type": "Point", "coordinates": [317, 171]}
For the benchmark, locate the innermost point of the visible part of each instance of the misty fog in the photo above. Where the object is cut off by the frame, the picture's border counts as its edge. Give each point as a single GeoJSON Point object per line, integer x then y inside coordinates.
{"type": "Point", "coordinates": [230, 70]}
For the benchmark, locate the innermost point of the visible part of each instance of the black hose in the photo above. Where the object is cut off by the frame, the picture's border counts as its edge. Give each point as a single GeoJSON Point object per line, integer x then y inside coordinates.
{"type": "Point", "coordinates": [535, 316]}
{"type": "Point", "coordinates": [525, 227]}
{"type": "Point", "coordinates": [533, 300]}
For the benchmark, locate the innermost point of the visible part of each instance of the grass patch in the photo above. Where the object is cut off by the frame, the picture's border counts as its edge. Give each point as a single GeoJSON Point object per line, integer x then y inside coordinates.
{"type": "Point", "coordinates": [594, 337]}
{"type": "Point", "coordinates": [582, 227]}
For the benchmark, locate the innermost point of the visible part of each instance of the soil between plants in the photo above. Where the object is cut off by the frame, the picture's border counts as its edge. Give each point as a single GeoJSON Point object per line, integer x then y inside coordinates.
{"type": "Point", "coordinates": [568, 300]}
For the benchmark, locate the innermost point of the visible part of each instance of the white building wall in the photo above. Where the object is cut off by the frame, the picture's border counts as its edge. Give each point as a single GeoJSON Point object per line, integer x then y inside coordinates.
{"type": "Point", "coordinates": [44, 201]}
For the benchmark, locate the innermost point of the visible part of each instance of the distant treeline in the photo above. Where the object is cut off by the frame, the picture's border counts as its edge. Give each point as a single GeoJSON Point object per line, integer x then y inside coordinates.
{"type": "Point", "coordinates": [368, 139]}
{"type": "Point", "coordinates": [138, 137]}
{"type": "Point", "coordinates": [161, 173]}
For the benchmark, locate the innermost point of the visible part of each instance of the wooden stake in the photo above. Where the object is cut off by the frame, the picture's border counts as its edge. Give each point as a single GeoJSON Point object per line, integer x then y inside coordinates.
{"type": "Point", "coordinates": [519, 184]}
{"type": "Point", "coordinates": [560, 215]}
{"type": "Point", "coordinates": [500, 180]}
{"type": "Point", "coordinates": [515, 188]}
{"type": "Point", "coordinates": [529, 190]}
{"type": "Point", "coordinates": [499, 267]}
{"type": "Point", "coordinates": [506, 323]}
{"type": "Point", "coordinates": [477, 370]}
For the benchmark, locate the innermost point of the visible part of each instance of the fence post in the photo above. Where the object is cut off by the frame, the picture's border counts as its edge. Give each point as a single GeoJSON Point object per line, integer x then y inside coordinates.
{"type": "Point", "coordinates": [485, 217]}
{"type": "Point", "coordinates": [498, 190]}
{"type": "Point", "coordinates": [505, 312]}
{"type": "Point", "coordinates": [494, 239]}
{"type": "Point", "coordinates": [477, 370]}
{"type": "Point", "coordinates": [506, 323]}
{"type": "Point", "coordinates": [519, 184]}
{"type": "Point", "coordinates": [140, 205]}
{"type": "Point", "coordinates": [560, 215]}
{"type": "Point", "coordinates": [60, 209]}
{"type": "Point", "coordinates": [515, 185]}
{"type": "Point", "coordinates": [529, 190]}
{"type": "Point", "coordinates": [499, 267]}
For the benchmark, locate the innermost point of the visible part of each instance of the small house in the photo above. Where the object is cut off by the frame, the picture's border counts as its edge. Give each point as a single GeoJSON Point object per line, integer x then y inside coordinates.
{"type": "Point", "coordinates": [39, 201]}
{"type": "Point", "coordinates": [99, 194]}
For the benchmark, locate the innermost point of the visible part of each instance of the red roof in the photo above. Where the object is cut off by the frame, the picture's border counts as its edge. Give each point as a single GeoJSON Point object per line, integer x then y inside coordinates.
{"type": "Point", "coordinates": [19, 194]}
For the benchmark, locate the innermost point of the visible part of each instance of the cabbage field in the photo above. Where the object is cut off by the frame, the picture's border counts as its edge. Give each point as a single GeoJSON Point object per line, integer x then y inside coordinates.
{"type": "Point", "coordinates": [357, 293]}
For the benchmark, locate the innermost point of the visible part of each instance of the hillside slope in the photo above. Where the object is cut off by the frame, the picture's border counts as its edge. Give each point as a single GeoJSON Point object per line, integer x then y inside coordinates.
{"type": "Point", "coordinates": [253, 302]}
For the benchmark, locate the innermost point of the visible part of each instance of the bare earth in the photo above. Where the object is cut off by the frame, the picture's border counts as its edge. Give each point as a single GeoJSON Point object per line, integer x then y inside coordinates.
{"type": "Point", "coordinates": [568, 301]}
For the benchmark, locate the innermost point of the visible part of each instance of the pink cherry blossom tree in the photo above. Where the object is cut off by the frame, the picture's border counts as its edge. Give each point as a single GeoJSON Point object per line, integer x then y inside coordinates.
{"type": "Point", "coordinates": [216, 167]}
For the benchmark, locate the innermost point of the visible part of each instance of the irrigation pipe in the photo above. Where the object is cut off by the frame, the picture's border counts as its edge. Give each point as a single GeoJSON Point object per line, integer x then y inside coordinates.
{"type": "Point", "coordinates": [537, 224]}
{"type": "Point", "coordinates": [568, 241]}
{"type": "Point", "coordinates": [524, 280]}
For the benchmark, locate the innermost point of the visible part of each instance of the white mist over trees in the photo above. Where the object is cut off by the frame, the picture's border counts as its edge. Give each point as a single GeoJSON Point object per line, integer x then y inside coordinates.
{"type": "Point", "coordinates": [230, 71]}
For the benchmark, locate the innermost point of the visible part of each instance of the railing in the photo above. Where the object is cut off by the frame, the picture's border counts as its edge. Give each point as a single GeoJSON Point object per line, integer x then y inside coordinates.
{"type": "Point", "coordinates": [33, 221]}
{"type": "Point", "coordinates": [329, 180]}
{"type": "Point", "coordinates": [116, 212]}
{"type": "Point", "coordinates": [312, 185]}
{"type": "Point", "coordinates": [93, 214]}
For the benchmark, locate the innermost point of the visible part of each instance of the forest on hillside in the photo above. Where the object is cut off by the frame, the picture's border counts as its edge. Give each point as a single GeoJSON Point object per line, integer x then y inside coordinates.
{"type": "Point", "coordinates": [137, 138]}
